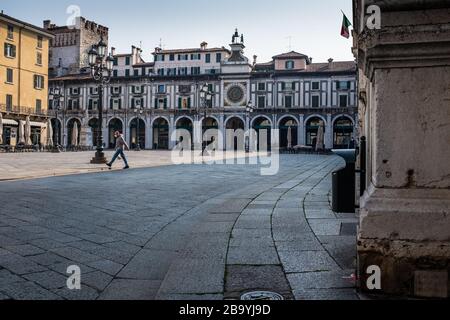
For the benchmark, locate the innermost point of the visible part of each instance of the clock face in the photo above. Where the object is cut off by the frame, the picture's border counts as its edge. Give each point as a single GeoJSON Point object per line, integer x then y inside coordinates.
{"type": "Point", "coordinates": [235, 94]}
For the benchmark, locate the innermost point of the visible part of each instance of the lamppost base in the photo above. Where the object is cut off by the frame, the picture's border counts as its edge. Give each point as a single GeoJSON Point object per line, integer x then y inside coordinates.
{"type": "Point", "coordinates": [99, 158]}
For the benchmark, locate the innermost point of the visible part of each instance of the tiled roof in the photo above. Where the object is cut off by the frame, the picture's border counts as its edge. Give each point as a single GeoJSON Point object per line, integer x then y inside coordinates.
{"type": "Point", "coordinates": [145, 64]}
{"type": "Point", "coordinates": [333, 67]}
{"type": "Point", "coordinates": [338, 66]}
{"type": "Point", "coordinates": [79, 76]}
{"type": "Point", "coordinates": [191, 50]}
{"type": "Point", "coordinates": [290, 55]}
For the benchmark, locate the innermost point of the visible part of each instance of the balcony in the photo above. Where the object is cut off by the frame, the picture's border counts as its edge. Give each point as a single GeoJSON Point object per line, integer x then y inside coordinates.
{"type": "Point", "coordinates": [25, 111]}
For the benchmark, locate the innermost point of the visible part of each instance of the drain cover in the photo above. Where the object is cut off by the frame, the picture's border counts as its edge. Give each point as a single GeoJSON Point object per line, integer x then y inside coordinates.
{"type": "Point", "coordinates": [262, 295]}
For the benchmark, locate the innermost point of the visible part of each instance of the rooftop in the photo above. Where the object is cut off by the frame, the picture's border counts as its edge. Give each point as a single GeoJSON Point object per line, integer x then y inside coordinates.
{"type": "Point", "coordinates": [291, 55]}
{"type": "Point", "coordinates": [191, 50]}
{"type": "Point", "coordinates": [26, 25]}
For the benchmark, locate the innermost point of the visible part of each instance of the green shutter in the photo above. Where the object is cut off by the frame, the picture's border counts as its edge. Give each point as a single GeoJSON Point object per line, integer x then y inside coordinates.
{"type": "Point", "coordinates": [132, 103]}
{"type": "Point", "coordinates": [180, 103]}
{"type": "Point", "coordinates": [189, 103]}
{"type": "Point", "coordinates": [165, 103]}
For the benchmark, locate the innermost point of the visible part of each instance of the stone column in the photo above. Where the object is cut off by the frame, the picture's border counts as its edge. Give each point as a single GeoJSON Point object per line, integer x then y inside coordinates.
{"type": "Point", "coordinates": [329, 133]}
{"type": "Point", "coordinates": [172, 142]}
{"type": "Point", "coordinates": [222, 133]}
{"type": "Point", "coordinates": [197, 134]}
{"type": "Point", "coordinates": [404, 105]}
{"type": "Point", "coordinates": [301, 131]}
{"type": "Point", "coordinates": [148, 133]}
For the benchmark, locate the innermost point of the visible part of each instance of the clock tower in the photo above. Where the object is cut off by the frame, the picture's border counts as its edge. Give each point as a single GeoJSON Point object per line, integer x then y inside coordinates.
{"type": "Point", "coordinates": [236, 74]}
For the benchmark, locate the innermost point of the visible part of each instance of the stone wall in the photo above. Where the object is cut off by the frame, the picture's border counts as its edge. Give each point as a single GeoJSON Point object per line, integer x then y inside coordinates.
{"type": "Point", "coordinates": [405, 115]}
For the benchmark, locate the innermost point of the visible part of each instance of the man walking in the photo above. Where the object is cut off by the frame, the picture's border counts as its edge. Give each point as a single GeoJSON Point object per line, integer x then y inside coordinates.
{"type": "Point", "coordinates": [121, 146]}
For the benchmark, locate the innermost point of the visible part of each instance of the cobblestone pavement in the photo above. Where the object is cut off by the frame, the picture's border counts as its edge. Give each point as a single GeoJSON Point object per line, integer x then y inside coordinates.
{"type": "Point", "coordinates": [15, 166]}
{"type": "Point", "coordinates": [180, 232]}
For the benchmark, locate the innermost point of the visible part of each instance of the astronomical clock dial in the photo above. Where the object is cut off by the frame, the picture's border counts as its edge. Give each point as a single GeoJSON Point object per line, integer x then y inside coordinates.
{"type": "Point", "coordinates": [236, 94]}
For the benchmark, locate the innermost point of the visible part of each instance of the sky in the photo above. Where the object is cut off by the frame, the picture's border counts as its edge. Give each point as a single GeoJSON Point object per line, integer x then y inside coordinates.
{"type": "Point", "coordinates": [270, 27]}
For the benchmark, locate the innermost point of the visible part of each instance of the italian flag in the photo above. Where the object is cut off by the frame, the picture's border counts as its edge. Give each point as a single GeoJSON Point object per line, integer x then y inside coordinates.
{"type": "Point", "coordinates": [345, 32]}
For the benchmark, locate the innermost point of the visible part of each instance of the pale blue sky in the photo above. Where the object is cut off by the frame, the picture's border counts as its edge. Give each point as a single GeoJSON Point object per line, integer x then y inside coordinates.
{"type": "Point", "coordinates": [267, 24]}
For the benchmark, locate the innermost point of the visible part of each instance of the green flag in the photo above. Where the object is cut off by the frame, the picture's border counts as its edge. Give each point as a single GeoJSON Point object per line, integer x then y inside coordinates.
{"type": "Point", "coordinates": [345, 32]}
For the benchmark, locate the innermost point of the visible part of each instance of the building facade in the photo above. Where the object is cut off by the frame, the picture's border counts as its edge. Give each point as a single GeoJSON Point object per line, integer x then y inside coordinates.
{"type": "Point", "coordinates": [71, 44]}
{"type": "Point", "coordinates": [23, 78]}
{"type": "Point", "coordinates": [164, 95]}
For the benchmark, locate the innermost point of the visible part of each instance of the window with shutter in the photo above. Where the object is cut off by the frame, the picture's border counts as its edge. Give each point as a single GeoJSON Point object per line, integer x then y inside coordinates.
{"type": "Point", "coordinates": [9, 76]}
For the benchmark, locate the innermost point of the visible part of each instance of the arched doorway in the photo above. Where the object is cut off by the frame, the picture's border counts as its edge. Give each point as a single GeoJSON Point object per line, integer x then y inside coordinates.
{"type": "Point", "coordinates": [235, 134]}
{"type": "Point", "coordinates": [263, 126]}
{"type": "Point", "coordinates": [312, 129]}
{"type": "Point", "coordinates": [288, 133]}
{"type": "Point", "coordinates": [343, 133]}
{"type": "Point", "coordinates": [186, 124]}
{"type": "Point", "coordinates": [161, 134]}
{"type": "Point", "coordinates": [57, 129]}
{"type": "Point", "coordinates": [70, 131]}
{"type": "Point", "coordinates": [114, 125]}
{"type": "Point", "coordinates": [93, 124]}
{"type": "Point", "coordinates": [209, 124]}
{"type": "Point", "coordinates": [134, 136]}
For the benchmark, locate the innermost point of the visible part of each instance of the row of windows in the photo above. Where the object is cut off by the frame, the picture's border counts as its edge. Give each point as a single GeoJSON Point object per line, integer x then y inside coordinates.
{"type": "Point", "coordinates": [185, 89]}
{"type": "Point", "coordinates": [38, 81]}
{"type": "Point", "coordinates": [127, 61]}
{"type": "Point", "coordinates": [10, 36]}
{"type": "Point", "coordinates": [187, 57]}
{"type": "Point", "coordinates": [10, 51]}
{"type": "Point", "coordinates": [185, 102]}
{"type": "Point", "coordinates": [9, 104]}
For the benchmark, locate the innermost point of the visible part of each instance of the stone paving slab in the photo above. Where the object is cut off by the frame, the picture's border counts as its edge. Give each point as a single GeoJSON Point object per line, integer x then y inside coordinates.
{"type": "Point", "coordinates": [208, 277]}
{"type": "Point", "coordinates": [128, 289]}
{"type": "Point", "coordinates": [326, 294]}
{"type": "Point", "coordinates": [242, 279]}
{"type": "Point", "coordinates": [148, 264]}
{"type": "Point", "coordinates": [307, 261]}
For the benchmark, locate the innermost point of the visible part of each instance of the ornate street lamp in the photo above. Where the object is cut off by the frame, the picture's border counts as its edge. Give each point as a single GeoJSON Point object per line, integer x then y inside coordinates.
{"type": "Point", "coordinates": [101, 70]}
{"type": "Point", "coordinates": [206, 97]}
{"type": "Point", "coordinates": [57, 97]}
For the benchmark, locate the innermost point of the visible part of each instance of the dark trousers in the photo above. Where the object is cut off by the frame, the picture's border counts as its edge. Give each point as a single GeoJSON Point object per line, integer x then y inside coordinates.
{"type": "Point", "coordinates": [119, 152]}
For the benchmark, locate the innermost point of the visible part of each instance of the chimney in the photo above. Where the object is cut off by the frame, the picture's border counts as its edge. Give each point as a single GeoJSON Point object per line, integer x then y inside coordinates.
{"type": "Point", "coordinates": [255, 58]}
{"type": "Point", "coordinates": [330, 63]}
{"type": "Point", "coordinates": [47, 24]}
{"type": "Point", "coordinates": [157, 50]}
{"type": "Point", "coordinates": [204, 45]}
{"type": "Point", "coordinates": [113, 51]}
